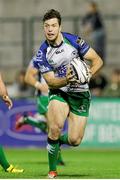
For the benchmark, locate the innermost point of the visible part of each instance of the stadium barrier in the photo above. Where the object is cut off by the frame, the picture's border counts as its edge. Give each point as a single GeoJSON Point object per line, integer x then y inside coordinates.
{"type": "Point", "coordinates": [103, 128]}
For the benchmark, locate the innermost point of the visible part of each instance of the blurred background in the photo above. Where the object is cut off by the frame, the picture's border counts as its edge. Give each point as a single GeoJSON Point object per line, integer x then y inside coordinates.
{"type": "Point", "coordinates": [21, 32]}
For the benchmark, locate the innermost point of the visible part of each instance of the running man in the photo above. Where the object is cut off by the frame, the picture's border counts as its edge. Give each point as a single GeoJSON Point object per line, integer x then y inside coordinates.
{"type": "Point", "coordinates": [67, 98]}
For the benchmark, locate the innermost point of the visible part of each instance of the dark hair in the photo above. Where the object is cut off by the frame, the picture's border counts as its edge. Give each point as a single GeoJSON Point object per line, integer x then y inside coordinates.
{"type": "Point", "coordinates": [52, 14]}
{"type": "Point", "coordinates": [93, 4]}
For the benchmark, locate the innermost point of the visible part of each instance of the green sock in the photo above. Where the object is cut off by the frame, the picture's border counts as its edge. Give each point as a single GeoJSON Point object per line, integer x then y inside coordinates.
{"type": "Point", "coordinates": [59, 158]}
{"type": "Point", "coordinates": [33, 122]}
{"type": "Point", "coordinates": [52, 147]}
{"type": "Point", "coordinates": [3, 161]}
{"type": "Point", "coordinates": [64, 139]}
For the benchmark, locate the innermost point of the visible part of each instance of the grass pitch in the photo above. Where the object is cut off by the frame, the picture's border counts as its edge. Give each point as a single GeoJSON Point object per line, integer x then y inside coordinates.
{"type": "Point", "coordinates": [80, 164]}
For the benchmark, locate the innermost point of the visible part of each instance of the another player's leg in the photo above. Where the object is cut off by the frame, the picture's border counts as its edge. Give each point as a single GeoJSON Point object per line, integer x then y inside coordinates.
{"type": "Point", "coordinates": [55, 125]}
{"type": "Point", "coordinates": [42, 103]}
{"type": "Point", "coordinates": [3, 161]}
{"type": "Point", "coordinates": [5, 164]}
{"type": "Point", "coordinates": [42, 125]}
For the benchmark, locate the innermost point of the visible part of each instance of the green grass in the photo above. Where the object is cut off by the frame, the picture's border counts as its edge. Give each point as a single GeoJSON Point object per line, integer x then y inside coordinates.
{"type": "Point", "coordinates": [79, 164]}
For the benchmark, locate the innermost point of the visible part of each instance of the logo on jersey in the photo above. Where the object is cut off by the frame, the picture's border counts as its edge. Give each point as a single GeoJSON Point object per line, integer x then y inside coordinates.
{"type": "Point", "coordinates": [43, 68]}
{"type": "Point", "coordinates": [39, 55]}
{"type": "Point", "coordinates": [60, 51]}
{"type": "Point", "coordinates": [51, 62]}
{"type": "Point", "coordinates": [80, 41]}
{"type": "Point", "coordinates": [61, 70]}
{"type": "Point", "coordinates": [74, 54]}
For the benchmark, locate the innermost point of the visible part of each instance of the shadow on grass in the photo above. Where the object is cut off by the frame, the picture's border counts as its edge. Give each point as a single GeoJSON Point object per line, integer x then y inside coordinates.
{"type": "Point", "coordinates": [35, 162]}
{"type": "Point", "coordinates": [74, 176]}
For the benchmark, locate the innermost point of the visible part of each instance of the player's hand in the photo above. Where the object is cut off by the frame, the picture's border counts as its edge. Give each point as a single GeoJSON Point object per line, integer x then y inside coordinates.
{"type": "Point", "coordinates": [7, 101]}
{"type": "Point", "coordinates": [70, 76]}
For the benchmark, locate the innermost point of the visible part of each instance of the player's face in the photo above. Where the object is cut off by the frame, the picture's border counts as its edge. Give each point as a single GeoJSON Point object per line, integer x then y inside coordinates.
{"type": "Point", "coordinates": [52, 29]}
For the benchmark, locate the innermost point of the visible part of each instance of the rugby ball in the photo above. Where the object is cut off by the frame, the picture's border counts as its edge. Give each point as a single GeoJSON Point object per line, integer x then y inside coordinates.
{"type": "Point", "coordinates": [81, 70]}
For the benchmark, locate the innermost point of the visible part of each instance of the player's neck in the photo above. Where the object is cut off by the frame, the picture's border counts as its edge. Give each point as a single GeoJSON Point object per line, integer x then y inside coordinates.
{"type": "Point", "coordinates": [58, 40]}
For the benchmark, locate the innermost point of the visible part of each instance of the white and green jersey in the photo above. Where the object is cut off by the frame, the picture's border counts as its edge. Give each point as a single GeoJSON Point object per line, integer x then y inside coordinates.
{"type": "Point", "coordinates": [57, 58]}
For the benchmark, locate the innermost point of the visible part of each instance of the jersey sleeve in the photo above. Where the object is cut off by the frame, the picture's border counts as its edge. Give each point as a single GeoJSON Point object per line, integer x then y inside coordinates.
{"type": "Point", "coordinates": [83, 46]}
{"type": "Point", "coordinates": [78, 43]}
{"type": "Point", "coordinates": [40, 62]}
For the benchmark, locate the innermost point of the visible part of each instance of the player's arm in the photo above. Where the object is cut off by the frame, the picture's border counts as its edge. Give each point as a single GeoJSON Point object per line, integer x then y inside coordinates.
{"type": "Point", "coordinates": [55, 82]}
{"type": "Point", "coordinates": [96, 61]}
{"type": "Point", "coordinates": [3, 90]}
{"type": "Point", "coordinates": [30, 78]}
{"type": "Point", "coordinates": [4, 94]}
{"type": "Point", "coordinates": [52, 81]}
{"type": "Point", "coordinates": [89, 54]}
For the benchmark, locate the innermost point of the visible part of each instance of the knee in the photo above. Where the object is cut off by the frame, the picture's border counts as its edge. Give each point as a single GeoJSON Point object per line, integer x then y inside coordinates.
{"type": "Point", "coordinates": [54, 131]}
{"type": "Point", "coordinates": [75, 141]}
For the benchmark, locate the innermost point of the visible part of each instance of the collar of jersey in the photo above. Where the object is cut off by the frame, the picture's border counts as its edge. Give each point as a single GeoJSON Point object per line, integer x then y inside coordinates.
{"type": "Point", "coordinates": [56, 46]}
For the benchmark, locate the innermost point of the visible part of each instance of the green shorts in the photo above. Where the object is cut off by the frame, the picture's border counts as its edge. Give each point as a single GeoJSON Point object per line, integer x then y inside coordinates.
{"type": "Point", "coordinates": [79, 102]}
{"type": "Point", "coordinates": [42, 104]}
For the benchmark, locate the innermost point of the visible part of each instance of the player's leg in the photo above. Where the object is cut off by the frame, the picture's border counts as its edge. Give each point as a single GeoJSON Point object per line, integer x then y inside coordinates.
{"type": "Point", "coordinates": [60, 160]}
{"type": "Point", "coordinates": [39, 123]}
{"type": "Point", "coordinates": [76, 128]}
{"type": "Point", "coordinates": [3, 161]}
{"type": "Point", "coordinates": [42, 107]}
{"type": "Point", "coordinates": [57, 113]}
{"type": "Point", "coordinates": [79, 110]}
{"type": "Point", "coordinates": [5, 164]}
{"type": "Point", "coordinates": [42, 103]}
